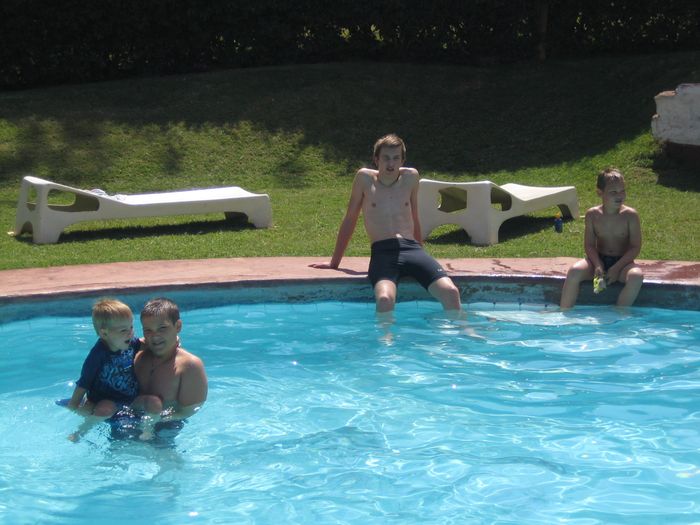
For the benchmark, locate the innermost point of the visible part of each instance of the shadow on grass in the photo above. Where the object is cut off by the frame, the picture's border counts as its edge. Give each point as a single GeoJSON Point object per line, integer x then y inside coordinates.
{"type": "Point", "coordinates": [135, 232]}
{"type": "Point", "coordinates": [454, 118]}
{"type": "Point", "coordinates": [511, 229]}
{"type": "Point", "coordinates": [677, 174]}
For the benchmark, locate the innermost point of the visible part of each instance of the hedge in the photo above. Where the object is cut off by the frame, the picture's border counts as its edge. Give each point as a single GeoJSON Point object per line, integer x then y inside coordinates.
{"type": "Point", "coordinates": [48, 42]}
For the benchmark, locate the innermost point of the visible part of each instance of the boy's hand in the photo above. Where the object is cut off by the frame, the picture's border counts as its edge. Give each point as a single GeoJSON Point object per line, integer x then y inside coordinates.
{"type": "Point", "coordinates": [323, 266]}
{"type": "Point", "coordinates": [613, 273]}
{"type": "Point", "coordinates": [598, 284]}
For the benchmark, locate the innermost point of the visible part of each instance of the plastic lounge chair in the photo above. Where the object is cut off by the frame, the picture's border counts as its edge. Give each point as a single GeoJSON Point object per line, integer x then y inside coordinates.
{"type": "Point", "coordinates": [46, 221]}
{"type": "Point", "coordinates": [471, 205]}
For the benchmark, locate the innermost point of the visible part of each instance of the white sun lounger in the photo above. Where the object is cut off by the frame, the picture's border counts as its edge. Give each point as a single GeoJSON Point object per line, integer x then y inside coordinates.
{"type": "Point", "coordinates": [471, 205]}
{"type": "Point", "coordinates": [46, 221]}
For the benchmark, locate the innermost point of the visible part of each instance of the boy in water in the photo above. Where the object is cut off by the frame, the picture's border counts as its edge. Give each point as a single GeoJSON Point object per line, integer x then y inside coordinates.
{"type": "Point", "coordinates": [107, 380]}
{"type": "Point", "coordinates": [387, 198]}
{"type": "Point", "coordinates": [612, 240]}
{"type": "Point", "coordinates": [172, 381]}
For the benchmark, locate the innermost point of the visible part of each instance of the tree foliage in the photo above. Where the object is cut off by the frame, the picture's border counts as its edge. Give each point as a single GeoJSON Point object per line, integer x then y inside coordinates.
{"type": "Point", "coordinates": [43, 42]}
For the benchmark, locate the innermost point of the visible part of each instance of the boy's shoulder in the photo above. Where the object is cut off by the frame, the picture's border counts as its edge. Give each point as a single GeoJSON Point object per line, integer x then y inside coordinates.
{"type": "Point", "coordinates": [627, 210]}
{"type": "Point", "coordinates": [410, 174]}
{"type": "Point", "coordinates": [98, 354]}
{"type": "Point", "coordinates": [594, 210]}
{"type": "Point", "coordinates": [100, 346]}
{"type": "Point", "coordinates": [366, 176]}
{"type": "Point", "coordinates": [187, 356]}
{"type": "Point", "coordinates": [367, 172]}
{"type": "Point", "coordinates": [186, 361]}
{"type": "Point", "coordinates": [599, 211]}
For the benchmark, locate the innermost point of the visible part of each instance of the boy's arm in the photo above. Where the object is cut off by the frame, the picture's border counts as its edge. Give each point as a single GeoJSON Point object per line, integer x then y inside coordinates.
{"type": "Point", "coordinates": [193, 390]}
{"type": "Point", "coordinates": [91, 366]}
{"type": "Point", "coordinates": [590, 244]}
{"type": "Point", "coordinates": [635, 242]}
{"type": "Point", "coordinates": [76, 398]}
{"type": "Point", "coordinates": [635, 235]}
{"type": "Point", "coordinates": [417, 232]}
{"type": "Point", "coordinates": [347, 227]}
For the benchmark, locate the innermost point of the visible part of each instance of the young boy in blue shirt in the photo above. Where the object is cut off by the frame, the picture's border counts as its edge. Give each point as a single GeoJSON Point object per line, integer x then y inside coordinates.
{"type": "Point", "coordinates": [107, 381]}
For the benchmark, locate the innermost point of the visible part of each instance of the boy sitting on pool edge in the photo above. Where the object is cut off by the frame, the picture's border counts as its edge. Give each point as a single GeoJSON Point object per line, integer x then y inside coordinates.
{"type": "Point", "coordinates": [387, 199]}
{"type": "Point", "coordinates": [612, 240]}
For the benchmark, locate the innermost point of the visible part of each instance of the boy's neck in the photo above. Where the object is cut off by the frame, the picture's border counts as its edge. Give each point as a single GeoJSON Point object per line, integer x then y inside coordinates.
{"type": "Point", "coordinates": [612, 210]}
{"type": "Point", "coordinates": [167, 355]}
{"type": "Point", "coordinates": [388, 179]}
{"type": "Point", "coordinates": [388, 184]}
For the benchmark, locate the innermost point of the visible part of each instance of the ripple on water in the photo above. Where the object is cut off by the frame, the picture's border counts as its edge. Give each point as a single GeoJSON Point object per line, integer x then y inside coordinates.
{"type": "Point", "coordinates": [318, 413]}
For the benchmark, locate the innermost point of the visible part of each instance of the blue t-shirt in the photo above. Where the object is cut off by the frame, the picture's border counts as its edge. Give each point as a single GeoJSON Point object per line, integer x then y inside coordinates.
{"type": "Point", "coordinates": [110, 375]}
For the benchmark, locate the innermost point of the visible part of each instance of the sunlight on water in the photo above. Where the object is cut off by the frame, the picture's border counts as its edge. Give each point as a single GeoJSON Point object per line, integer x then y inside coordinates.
{"type": "Point", "coordinates": [319, 414]}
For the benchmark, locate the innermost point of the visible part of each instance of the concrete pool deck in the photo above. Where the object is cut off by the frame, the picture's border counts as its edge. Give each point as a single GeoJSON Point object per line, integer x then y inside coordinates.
{"type": "Point", "coordinates": [55, 282]}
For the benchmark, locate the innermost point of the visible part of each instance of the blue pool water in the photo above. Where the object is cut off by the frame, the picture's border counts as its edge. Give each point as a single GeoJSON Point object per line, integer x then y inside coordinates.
{"type": "Point", "coordinates": [317, 414]}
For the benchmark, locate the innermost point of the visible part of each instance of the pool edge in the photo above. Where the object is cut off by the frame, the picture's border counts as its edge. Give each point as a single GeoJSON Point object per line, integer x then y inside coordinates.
{"type": "Point", "coordinates": [668, 284]}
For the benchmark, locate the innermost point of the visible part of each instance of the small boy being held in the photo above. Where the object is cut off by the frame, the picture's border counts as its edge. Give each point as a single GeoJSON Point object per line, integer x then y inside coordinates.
{"type": "Point", "coordinates": [612, 240]}
{"type": "Point", "coordinates": [107, 380]}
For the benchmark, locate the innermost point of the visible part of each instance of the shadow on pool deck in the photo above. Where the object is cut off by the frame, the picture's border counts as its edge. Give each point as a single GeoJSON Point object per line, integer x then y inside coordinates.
{"type": "Point", "coordinates": [667, 283]}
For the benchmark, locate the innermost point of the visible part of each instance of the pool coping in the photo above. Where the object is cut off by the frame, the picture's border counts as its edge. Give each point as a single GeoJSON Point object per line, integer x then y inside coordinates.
{"type": "Point", "coordinates": [667, 283]}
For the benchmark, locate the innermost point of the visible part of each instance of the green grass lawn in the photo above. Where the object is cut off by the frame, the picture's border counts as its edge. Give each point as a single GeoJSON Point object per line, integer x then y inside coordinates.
{"type": "Point", "coordinates": [299, 133]}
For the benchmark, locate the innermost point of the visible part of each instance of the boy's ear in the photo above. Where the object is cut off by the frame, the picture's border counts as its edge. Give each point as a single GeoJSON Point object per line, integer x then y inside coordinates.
{"type": "Point", "coordinates": [178, 325]}
{"type": "Point", "coordinates": [102, 332]}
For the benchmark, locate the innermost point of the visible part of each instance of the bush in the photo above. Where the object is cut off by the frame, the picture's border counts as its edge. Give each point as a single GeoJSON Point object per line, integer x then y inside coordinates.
{"type": "Point", "coordinates": [45, 42]}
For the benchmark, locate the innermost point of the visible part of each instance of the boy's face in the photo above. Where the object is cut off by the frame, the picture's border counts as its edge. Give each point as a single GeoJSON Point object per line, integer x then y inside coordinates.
{"type": "Point", "coordinates": [389, 160]}
{"type": "Point", "coordinates": [160, 334]}
{"type": "Point", "coordinates": [118, 334]}
{"type": "Point", "coordinates": [613, 195]}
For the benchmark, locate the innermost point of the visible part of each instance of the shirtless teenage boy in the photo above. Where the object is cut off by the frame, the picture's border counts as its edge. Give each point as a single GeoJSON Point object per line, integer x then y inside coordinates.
{"type": "Point", "coordinates": [387, 198]}
{"type": "Point", "coordinates": [612, 239]}
{"type": "Point", "coordinates": [172, 381]}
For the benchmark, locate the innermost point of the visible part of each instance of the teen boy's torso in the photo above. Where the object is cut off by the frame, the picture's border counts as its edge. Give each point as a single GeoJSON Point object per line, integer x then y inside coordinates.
{"type": "Point", "coordinates": [386, 208]}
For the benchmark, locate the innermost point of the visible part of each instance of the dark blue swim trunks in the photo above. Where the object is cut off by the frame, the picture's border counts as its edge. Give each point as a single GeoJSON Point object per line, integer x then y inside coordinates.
{"type": "Point", "coordinates": [395, 258]}
{"type": "Point", "coordinates": [126, 424]}
{"type": "Point", "coordinates": [609, 260]}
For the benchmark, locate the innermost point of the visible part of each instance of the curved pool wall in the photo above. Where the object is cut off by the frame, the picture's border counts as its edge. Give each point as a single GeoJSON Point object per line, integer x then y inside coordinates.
{"type": "Point", "coordinates": [532, 290]}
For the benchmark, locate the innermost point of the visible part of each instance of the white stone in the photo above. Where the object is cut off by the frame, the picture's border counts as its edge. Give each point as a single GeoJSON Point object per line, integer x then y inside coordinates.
{"type": "Point", "coordinates": [677, 117]}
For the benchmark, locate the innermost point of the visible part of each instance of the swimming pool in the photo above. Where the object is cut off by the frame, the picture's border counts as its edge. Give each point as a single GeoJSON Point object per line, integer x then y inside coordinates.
{"type": "Point", "coordinates": [318, 414]}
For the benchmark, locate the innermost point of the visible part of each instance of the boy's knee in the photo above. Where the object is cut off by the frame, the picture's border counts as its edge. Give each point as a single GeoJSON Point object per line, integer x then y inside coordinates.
{"type": "Point", "coordinates": [451, 295]}
{"type": "Point", "coordinates": [385, 302]}
{"type": "Point", "coordinates": [149, 403]}
{"type": "Point", "coordinates": [153, 404]}
{"type": "Point", "coordinates": [576, 272]}
{"type": "Point", "coordinates": [451, 287]}
{"type": "Point", "coordinates": [104, 409]}
{"type": "Point", "coordinates": [635, 276]}
{"type": "Point", "coordinates": [445, 290]}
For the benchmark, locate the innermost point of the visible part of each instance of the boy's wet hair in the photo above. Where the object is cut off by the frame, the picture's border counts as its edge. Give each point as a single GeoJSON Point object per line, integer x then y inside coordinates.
{"type": "Point", "coordinates": [391, 140]}
{"type": "Point", "coordinates": [161, 307]}
{"type": "Point", "coordinates": [106, 310]}
{"type": "Point", "coordinates": [609, 175]}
